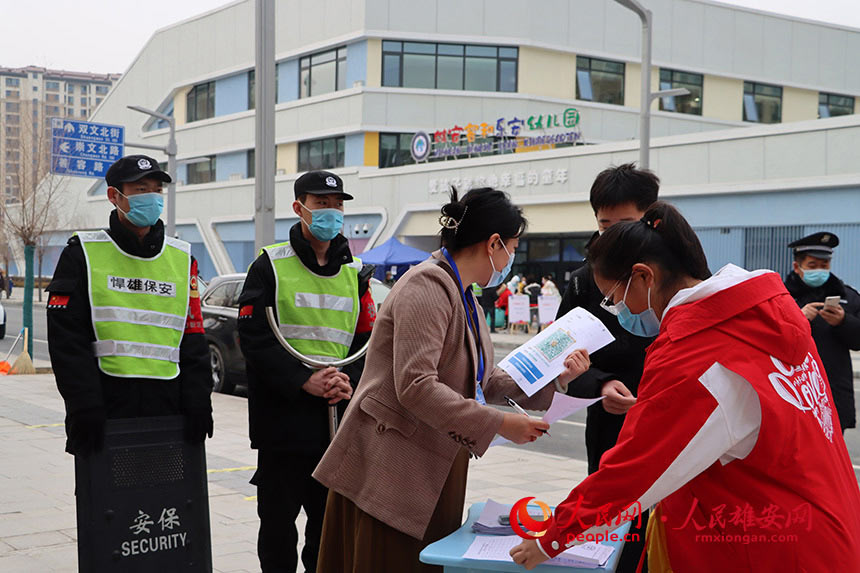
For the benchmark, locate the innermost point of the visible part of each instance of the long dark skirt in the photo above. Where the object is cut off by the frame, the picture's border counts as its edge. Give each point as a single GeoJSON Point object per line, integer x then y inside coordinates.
{"type": "Point", "coordinates": [356, 542]}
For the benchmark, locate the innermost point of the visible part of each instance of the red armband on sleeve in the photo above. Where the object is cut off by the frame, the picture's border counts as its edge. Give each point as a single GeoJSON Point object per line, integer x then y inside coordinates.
{"type": "Point", "coordinates": [194, 320]}
{"type": "Point", "coordinates": [367, 313]}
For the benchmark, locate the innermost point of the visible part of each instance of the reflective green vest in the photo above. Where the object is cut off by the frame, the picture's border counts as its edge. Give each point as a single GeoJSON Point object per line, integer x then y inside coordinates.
{"type": "Point", "coordinates": [139, 306]}
{"type": "Point", "coordinates": [317, 315]}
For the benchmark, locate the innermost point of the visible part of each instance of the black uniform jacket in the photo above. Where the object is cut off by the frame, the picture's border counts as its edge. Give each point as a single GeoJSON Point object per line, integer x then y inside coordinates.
{"type": "Point", "coordinates": [622, 360]}
{"type": "Point", "coordinates": [834, 342]}
{"type": "Point", "coordinates": [70, 337]}
{"type": "Point", "coordinates": [281, 415]}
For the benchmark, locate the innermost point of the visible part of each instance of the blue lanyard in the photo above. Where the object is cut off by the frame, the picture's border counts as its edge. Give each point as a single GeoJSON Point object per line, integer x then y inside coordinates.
{"type": "Point", "coordinates": [471, 311]}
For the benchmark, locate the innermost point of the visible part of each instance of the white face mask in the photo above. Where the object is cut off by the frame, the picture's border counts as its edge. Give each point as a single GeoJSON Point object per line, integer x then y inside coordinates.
{"type": "Point", "coordinates": [498, 276]}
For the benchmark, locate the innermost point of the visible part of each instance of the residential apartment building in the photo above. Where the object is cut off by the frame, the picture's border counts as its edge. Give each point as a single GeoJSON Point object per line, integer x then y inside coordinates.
{"type": "Point", "coordinates": [29, 98]}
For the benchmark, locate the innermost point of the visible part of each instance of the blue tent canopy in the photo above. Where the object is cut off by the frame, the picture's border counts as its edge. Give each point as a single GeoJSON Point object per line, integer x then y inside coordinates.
{"type": "Point", "coordinates": [392, 252]}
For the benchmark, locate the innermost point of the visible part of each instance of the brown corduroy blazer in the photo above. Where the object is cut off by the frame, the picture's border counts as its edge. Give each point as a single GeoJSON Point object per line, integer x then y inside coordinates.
{"type": "Point", "coordinates": [414, 407]}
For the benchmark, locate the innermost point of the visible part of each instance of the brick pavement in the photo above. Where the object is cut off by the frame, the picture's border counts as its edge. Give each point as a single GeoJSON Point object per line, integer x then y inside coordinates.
{"type": "Point", "coordinates": [37, 506]}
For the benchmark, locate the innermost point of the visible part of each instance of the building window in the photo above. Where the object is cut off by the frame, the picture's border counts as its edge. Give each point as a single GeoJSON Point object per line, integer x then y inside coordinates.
{"type": "Point", "coordinates": [692, 104]}
{"type": "Point", "coordinates": [52, 97]}
{"type": "Point", "coordinates": [13, 119]}
{"type": "Point", "coordinates": [70, 88]}
{"type": "Point", "coordinates": [12, 94]}
{"type": "Point", "coordinates": [200, 102]}
{"type": "Point", "coordinates": [762, 103]}
{"type": "Point", "coordinates": [83, 113]}
{"type": "Point", "coordinates": [35, 88]}
{"type": "Point", "coordinates": [251, 167]}
{"type": "Point", "coordinates": [102, 89]}
{"type": "Point", "coordinates": [52, 86]}
{"type": "Point", "coordinates": [599, 80]}
{"type": "Point", "coordinates": [252, 95]}
{"type": "Point", "coordinates": [53, 110]}
{"type": "Point", "coordinates": [13, 82]}
{"type": "Point", "coordinates": [832, 105]}
{"type": "Point", "coordinates": [202, 170]}
{"type": "Point", "coordinates": [84, 101]}
{"type": "Point", "coordinates": [99, 100]}
{"type": "Point", "coordinates": [322, 73]}
{"type": "Point", "coordinates": [70, 112]}
{"type": "Point", "coordinates": [321, 153]}
{"type": "Point", "coordinates": [84, 88]}
{"type": "Point", "coordinates": [394, 149]}
{"type": "Point", "coordinates": [13, 107]}
{"type": "Point", "coordinates": [449, 66]}
{"type": "Point", "coordinates": [13, 131]}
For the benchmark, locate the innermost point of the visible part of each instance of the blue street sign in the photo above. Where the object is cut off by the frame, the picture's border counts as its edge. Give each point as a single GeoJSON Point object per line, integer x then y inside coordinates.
{"type": "Point", "coordinates": [84, 149]}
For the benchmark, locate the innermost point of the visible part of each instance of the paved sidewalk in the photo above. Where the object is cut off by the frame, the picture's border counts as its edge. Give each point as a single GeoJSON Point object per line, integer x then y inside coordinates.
{"type": "Point", "coordinates": [37, 505]}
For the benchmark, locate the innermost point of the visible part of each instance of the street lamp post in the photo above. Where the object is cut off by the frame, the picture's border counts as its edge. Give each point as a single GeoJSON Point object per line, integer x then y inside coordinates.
{"type": "Point", "coordinates": [170, 151]}
{"type": "Point", "coordinates": [647, 96]}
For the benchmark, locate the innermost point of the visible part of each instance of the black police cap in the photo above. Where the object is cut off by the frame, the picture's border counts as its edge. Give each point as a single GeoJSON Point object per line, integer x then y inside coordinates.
{"type": "Point", "coordinates": [134, 168]}
{"type": "Point", "coordinates": [819, 245]}
{"type": "Point", "coordinates": [320, 183]}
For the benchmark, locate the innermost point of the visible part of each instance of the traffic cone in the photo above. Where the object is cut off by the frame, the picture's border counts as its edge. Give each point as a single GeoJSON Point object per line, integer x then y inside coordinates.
{"type": "Point", "coordinates": [4, 365]}
{"type": "Point", "coordinates": [23, 364]}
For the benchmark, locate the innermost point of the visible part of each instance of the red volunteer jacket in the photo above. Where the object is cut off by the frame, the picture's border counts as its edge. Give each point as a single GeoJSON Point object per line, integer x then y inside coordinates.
{"type": "Point", "coordinates": [736, 432]}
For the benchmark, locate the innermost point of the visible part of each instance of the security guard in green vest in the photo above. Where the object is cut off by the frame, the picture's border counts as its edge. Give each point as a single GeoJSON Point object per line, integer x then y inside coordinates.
{"type": "Point", "coordinates": [321, 296]}
{"type": "Point", "coordinates": [125, 333]}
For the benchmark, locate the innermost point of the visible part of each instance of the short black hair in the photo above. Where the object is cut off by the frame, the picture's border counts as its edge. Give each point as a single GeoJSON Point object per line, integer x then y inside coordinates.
{"type": "Point", "coordinates": [802, 256]}
{"type": "Point", "coordinates": [624, 184]}
{"type": "Point", "coordinates": [662, 236]}
{"type": "Point", "coordinates": [477, 216]}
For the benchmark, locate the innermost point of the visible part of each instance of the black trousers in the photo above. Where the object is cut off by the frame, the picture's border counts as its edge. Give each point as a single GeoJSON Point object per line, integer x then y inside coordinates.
{"type": "Point", "coordinates": [633, 550]}
{"type": "Point", "coordinates": [284, 486]}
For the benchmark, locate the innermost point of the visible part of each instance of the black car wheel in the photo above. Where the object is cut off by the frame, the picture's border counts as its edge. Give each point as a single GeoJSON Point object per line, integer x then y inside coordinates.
{"type": "Point", "coordinates": [220, 378]}
{"type": "Point", "coordinates": [3, 330]}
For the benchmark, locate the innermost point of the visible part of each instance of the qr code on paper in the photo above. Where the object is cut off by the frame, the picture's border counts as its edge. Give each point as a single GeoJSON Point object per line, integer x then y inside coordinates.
{"type": "Point", "coordinates": [555, 344]}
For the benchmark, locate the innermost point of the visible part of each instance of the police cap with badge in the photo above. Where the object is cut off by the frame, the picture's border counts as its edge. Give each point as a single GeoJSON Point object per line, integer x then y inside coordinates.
{"type": "Point", "coordinates": [818, 245]}
{"type": "Point", "coordinates": [320, 183]}
{"type": "Point", "coordinates": [133, 168]}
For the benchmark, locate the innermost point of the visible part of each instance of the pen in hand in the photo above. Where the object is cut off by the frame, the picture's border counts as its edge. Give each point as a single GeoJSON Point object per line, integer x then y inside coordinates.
{"type": "Point", "coordinates": [520, 410]}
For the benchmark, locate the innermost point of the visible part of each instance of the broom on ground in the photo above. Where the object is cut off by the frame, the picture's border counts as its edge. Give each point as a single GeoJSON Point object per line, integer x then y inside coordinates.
{"type": "Point", "coordinates": [23, 364]}
{"type": "Point", "coordinates": [4, 365]}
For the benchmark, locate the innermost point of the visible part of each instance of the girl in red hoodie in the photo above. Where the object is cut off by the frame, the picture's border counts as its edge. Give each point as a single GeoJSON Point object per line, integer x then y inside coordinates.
{"type": "Point", "coordinates": [732, 435]}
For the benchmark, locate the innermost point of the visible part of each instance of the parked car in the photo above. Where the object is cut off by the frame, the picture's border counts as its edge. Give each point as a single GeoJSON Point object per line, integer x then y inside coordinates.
{"type": "Point", "coordinates": [220, 306]}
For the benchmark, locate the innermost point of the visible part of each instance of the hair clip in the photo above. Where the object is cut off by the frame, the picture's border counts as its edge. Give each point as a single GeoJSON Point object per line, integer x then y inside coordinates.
{"type": "Point", "coordinates": [450, 222]}
{"type": "Point", "coordinates": [651, 223]}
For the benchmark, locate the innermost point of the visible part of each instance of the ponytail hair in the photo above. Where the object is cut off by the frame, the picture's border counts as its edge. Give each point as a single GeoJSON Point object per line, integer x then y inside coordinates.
{"type": "Point", "coordinates": [662, 237]}
{"type": "Point", "coordinates": [477, 216]}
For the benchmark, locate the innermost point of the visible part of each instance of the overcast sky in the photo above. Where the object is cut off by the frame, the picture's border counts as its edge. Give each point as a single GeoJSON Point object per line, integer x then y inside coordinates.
{"type": "Point", "coordinates": [105, 35]}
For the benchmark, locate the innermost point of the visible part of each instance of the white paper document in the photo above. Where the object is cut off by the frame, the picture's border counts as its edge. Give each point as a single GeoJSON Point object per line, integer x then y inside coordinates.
{"type": "Point", "coordinates": [537, 362]}
{"type": "Point", "coordinates": [498, 548]}
{"type": "Point", "coordinates": [562, 406]}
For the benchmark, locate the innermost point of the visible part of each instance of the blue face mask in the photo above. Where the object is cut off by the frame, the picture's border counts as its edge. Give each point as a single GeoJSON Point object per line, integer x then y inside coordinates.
{"type": "Point", "coordinates": [325, 223]}
{"type": "Point", "coordinates": [815, 278]}
{"type": "Point", "coordinates": [144, 209]}
{"type": "Point", "coordinates": [498, 276]}
{"type": "Point", "coordinates": [645, 324]}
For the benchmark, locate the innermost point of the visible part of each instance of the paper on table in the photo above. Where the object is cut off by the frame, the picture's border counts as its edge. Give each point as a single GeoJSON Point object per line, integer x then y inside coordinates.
{"type": "Point", "coordinates": [537, 362]}
{"type": "Point", "coordinates": [562, 406]}
{"type": "Point", "coordinates": [498, 548]}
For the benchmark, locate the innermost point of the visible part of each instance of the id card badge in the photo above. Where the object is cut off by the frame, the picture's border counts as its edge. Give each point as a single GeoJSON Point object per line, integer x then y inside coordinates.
{"type": "Point", "coordinates": [479, 394]}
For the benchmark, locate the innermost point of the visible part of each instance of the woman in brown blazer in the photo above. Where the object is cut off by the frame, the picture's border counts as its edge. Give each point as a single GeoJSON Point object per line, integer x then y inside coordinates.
{"type": "Point", "coordinates": [396, 470]}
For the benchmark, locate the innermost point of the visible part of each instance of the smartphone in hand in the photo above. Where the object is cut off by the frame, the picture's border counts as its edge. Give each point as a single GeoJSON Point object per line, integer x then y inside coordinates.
{"type": "Point", "coordinates": [831, 301]}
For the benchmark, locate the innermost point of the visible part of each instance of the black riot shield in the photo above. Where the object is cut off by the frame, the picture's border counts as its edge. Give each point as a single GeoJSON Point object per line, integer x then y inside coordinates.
{"type": "Point", "coordinates": [142, 501]}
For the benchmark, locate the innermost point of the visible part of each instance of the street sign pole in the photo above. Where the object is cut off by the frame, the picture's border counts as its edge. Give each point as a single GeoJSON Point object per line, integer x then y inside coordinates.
{"type": "Point", "coordinates": [264, 156]}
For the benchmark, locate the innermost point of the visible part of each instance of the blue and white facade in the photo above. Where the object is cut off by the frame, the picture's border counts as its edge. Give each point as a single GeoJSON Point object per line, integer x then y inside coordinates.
{"type": "Point", "coordinates": [755, 157]}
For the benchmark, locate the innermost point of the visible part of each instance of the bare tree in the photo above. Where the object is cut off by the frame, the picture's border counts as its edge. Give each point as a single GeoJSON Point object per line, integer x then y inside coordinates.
{"type": "Point", "coordinates": [35, 204]}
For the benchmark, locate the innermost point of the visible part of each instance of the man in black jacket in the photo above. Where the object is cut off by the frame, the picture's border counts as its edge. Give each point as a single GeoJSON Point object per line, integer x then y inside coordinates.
{"type": "Point", "coordinates": [92, 389]}
{"type": "Point", "coordinates": [287, 401]}
{"type": "Point", "coordinates": [835, 326]}
{"type": "Point", "coordinates": [618, 194]}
